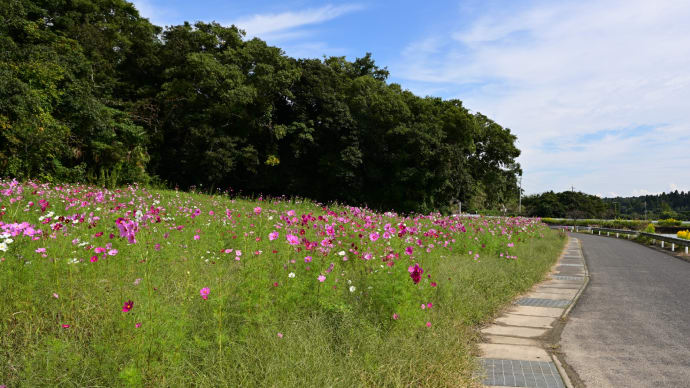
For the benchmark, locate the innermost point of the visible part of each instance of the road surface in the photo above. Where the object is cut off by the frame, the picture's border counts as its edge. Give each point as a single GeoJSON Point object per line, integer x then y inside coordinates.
{"type": "Point", "coordinates": [631, 326]}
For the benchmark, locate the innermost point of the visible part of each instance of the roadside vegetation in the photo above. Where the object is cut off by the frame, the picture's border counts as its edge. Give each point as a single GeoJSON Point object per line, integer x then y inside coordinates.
{"type": "Point", "coordinates": [139, 287]}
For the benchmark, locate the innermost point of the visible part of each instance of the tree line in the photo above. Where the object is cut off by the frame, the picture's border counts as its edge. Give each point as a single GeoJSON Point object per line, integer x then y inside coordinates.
{"type": "Point", "coordinates": [91, 91]}
{"type": "Point", "coordinates": [578, 205]}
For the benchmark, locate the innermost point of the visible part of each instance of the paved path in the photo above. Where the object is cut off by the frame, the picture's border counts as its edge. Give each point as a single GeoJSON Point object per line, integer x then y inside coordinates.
{"type": "Point", "coordinates": [513, 354]}
{"type": "Point", "coordinates": [631, 325]}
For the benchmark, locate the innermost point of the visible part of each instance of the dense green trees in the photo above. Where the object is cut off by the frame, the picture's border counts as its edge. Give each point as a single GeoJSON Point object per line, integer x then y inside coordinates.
{"type": "Point", "coordinates": [91, 91]}
{"type": "Point", "coordinates": [567, 204]}
{"type": "Point", "coordinates": [674, 204]}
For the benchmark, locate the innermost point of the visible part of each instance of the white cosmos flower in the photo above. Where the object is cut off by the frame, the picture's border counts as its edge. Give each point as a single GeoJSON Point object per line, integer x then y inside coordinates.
{"type": "Point", "coordinates": [341, 253]}
{"type": "Point", "coordinates": [3, 247]}
{"type": "Point", "coordinates": [352, 288]}
{"type": "Point", "coordinates": [9, 241]}
{"type": "Point", "coordinates": [291, 275]}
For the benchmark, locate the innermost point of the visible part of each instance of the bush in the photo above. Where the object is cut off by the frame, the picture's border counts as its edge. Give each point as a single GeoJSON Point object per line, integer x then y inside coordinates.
{"type": "Point", "coordinates": [669, 222]}
{"type": "Point", "coordinates": [684, 234]}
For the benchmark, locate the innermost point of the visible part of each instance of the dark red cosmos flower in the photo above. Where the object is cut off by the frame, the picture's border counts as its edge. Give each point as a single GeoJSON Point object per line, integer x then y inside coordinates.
{"type": "Point", "coordinates": [415, 273]}
{"type": "Point", "coordinates": [127, 306]}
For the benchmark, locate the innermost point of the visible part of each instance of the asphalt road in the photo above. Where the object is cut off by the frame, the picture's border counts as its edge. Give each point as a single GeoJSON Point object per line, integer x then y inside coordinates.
{"type": "Point", "coordinates": [631, 326]}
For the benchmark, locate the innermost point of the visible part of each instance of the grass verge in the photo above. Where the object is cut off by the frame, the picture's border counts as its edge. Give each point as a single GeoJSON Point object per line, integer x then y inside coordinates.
{"type": "Point", "coordinates": [267, 292]}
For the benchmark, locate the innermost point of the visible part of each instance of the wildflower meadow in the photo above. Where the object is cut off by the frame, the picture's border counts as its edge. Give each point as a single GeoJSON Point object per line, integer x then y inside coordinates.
{"type": "Point", "coordinates": [143, 287]}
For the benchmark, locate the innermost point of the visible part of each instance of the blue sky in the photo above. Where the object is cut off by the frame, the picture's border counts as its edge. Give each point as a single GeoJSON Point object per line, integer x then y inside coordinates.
{"type": "Point", "coordinates": [598, 92]}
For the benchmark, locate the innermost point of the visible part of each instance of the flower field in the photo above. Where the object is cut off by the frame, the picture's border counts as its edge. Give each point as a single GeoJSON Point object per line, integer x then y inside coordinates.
{"type": "Point", "coordinates": [138, 287]}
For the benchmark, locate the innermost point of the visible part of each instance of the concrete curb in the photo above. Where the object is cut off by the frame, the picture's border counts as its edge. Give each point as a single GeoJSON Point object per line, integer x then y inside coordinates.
{"type": "Point", "coordinates": [561, 370]}
{"type": "Point", "coordinates": [531, 334]}
{"type": "Point", "coordinates": [582, 288]}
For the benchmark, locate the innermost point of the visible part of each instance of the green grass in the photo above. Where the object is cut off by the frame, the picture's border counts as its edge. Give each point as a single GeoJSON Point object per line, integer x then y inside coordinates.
{"type": "Point", "coordinates": [331, 336]}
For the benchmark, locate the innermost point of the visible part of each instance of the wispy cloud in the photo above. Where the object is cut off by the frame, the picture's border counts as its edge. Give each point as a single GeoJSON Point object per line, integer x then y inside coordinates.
{"type": "Point", "coordinates": [158, 15]}
{"type": "Point", "coordinates": [261, 25]}
{"type": "Point", "coordinates": [592, 80]}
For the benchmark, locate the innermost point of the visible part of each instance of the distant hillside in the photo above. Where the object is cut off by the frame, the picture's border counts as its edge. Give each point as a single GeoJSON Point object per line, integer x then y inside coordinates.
{"type": "Point", "coordinates": [665, 205]}
{"type": "Point", "coordinates": [570, 204]}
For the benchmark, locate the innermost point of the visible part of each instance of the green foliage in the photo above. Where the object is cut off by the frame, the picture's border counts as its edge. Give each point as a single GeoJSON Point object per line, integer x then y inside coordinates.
{"type": "Point", "coordinates": [567, 204]}
{"type": "Point", "coordinates": [612, 224]}
{"type": "Point", "coordinates": [669, 222]}
{"type": "Point", "coordinates": [91, 91]}
{"type": "Point", "coordinates": [674, 204]}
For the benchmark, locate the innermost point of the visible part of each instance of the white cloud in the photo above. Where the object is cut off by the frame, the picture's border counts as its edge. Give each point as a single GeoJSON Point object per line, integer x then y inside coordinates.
{"type": "Point", "coordinates": [560, 70]}
{"type": "Point", "coordinates": [160, 16]}
{"type": "Point", "coordinates": [261, 25]}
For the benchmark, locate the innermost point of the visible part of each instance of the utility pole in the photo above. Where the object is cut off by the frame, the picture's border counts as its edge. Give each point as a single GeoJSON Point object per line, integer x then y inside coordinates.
{"type": "Point", "coordinates": [520, 197]}
{"type": "Point", "coordinates": [645, 209]}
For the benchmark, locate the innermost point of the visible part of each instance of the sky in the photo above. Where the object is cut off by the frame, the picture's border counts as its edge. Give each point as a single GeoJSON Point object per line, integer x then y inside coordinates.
{"type": "Point", "coordinates": [597, 91]}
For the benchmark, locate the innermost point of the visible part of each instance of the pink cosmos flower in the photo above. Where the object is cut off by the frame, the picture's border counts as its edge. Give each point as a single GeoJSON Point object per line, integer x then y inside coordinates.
{"type": "Point", "coordinates": [307, 259]}
{"type": "Point", "coordinates": [127, 306]}
{"type": "Point", "coordinates": [395, 316]}
{"type": "Point", "coordinates": [204, 292]}
{"type": "Point", "coordinates": [408, 250]}
{"type": "Point", "coordinates": [94, 258]}
{"type": "Point", "coordinates": [99, 250]}
{"type": "Point", "coordinates": [196, 237]}
{"type": "Point", "coordinates": [428, 324]}
{"type": "Point", "coordinates": [137, 325]}
{"type": "Point", "coordinates": [55, 295]}
{"type": "Point", "coordinates": [66, 326]}
{"type": "Point", "coordinates": [292, 239]}
{"type": "Point", "coordinates": [291, 213]}
{"type": "Point", "coordinates": [322, 278]}
{"type": "Point", "coordinates": [257, 210]}
{"type": "Point", "coordinates": [510, 245]}
{"type": "Point", "coordinates": [112, 252]}
{"type": "Point", "coordinates": [40, 250]}
{"type": "Point", "coordinates": [280, 335]}
{"type": "Point", "coordinates": [423, 306]}
{"type": "Point", "coordinates": [373, 236]}
{"type": "Point", "coordinates": [273, 235]}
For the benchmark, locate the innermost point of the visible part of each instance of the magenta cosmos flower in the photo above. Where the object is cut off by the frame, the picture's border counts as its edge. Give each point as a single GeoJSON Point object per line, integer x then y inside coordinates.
{"type": "Point", "coordinates": [127, 306]}
{"type": "Point", "coordinates": [415, 273]}
{"type": "Point", "coordinates": [204, 292]}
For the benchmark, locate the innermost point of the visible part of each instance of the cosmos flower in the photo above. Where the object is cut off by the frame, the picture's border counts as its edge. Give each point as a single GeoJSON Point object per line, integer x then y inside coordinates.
{"type": "Point", "coordinates": [204, 292]}
{"type": "Point", "coordinates": [127, 306]}
{"type": "Point", "coordinates": [415, 273]}
{"type": "Point", "coordinates": [292, 239]}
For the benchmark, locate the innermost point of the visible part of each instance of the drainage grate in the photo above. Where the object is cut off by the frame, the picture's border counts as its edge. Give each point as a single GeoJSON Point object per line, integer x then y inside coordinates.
{"type": "Point", "coordinates": [539, 302]}
{"type": "Point", "coordinates": [518, 373]}
{"type": "Point", "coordinates": [563, 277]}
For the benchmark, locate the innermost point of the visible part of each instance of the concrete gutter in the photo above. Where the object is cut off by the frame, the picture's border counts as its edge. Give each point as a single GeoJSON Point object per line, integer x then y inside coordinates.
{"type": "Point", "coordinates": [520, 346]}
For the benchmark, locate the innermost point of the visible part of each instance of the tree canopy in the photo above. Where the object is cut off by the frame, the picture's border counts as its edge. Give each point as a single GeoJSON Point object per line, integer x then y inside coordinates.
{"type": "Point", "coordinates": [91, 91]}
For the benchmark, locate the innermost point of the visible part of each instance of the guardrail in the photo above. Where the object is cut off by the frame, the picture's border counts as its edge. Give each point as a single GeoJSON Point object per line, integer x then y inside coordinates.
{"type": "Point", "coordinates": [629, 234]}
